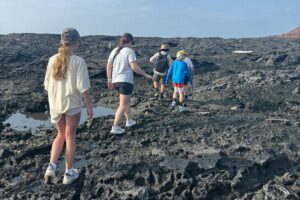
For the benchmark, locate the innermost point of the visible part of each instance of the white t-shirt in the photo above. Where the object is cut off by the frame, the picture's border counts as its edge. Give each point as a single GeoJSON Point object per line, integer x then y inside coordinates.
{"type": "Point", "coordinates": [188, 61]}
{"type": "Point", "coordinates": [122, 71]}
{"type": "Point", "coordinates": [66, 94]}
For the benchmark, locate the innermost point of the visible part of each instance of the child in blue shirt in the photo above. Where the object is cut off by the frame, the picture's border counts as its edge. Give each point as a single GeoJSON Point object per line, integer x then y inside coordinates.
{"type": "Point", "coordinates": [178, 70]}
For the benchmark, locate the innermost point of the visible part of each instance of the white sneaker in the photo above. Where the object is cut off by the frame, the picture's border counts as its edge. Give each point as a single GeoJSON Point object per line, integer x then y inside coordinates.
{"type": "Point", "coordinates": [49, 175]}
{"type": "Point", "coordinates": [181, 108]}
{"type": "Point", "coordinates": [117, 130]}
{"type": "Point", "coordinates": [173, 104]}
{"type": "Point", "coordinates": [130, 123]}
{"type": "Point", "coordinates": [69, 178]}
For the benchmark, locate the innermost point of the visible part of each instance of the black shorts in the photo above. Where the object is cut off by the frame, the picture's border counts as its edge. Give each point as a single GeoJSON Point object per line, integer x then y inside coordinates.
{"type": "Point", "coordinates": [159, 78]}
{"type": "Point", "coordinates": [124, 88]}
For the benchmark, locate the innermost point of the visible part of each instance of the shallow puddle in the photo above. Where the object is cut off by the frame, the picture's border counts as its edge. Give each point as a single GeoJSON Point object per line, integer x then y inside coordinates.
{"type": "Point", "coordinates": [37, 121]}
{"type": "Point", "coordinates": [79, 163]}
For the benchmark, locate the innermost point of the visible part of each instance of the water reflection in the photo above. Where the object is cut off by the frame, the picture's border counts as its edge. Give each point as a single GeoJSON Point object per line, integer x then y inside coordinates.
{"type": "Point", "coordinates": [37, 121]}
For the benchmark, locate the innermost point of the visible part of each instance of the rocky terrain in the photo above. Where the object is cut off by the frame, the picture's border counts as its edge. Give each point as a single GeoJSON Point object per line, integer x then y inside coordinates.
{"type": "Point", "coordinates": [239, 137]}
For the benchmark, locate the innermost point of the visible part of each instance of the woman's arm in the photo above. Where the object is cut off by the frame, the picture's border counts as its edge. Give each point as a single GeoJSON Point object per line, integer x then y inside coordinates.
{"type": "Point", "coordinates": [134, 66]}
{"type": "Point", "coordinates": [88, 104]}
{"type": "Point", "coordinates": [108, 74]}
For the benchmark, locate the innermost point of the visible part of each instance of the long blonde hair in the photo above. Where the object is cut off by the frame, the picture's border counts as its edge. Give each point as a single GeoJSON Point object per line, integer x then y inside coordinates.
{"type": "Point", "coordinates": [61, 62]}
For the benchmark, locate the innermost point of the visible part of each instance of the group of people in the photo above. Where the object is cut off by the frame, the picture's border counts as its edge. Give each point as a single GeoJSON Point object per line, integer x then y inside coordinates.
{"type": "Point", "coordinates": [67, 84]}
{"type": "Point", "coordinates": [180, 70]}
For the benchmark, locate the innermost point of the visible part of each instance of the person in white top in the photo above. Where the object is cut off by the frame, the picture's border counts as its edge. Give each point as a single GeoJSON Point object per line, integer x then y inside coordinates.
{"type": "Point", "coordinates": [119, 70]}
{"type": "Point", "coordinates": [67, 83]}
{"type": "Point", "coordinates": [189, 62]}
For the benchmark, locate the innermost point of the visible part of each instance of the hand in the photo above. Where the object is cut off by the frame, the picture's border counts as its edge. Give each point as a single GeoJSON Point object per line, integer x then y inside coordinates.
{"type": "Point", "coordinates": [110, 85]}
{"type": "Point", "coordinates": [89, 111]}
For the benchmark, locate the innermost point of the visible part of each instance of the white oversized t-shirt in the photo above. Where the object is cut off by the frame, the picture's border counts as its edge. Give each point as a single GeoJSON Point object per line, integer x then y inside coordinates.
{"type": "Point", "coordinates": [122, 71]}
{"type": "Point", "coordinates": [66, 94]}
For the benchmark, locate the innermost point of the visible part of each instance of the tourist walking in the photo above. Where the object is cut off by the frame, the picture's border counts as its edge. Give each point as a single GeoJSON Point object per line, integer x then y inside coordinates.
{"type": "Point", "coordinates": [187, 85]}
{"type": "Point", "coordinates": [162, 61]}
{"type": "Point", "coordinates": [178, 70]}
{"type": "Point", "coordinates": [67, 83]}
{"type": "Point", "coordinates": [120, 67]}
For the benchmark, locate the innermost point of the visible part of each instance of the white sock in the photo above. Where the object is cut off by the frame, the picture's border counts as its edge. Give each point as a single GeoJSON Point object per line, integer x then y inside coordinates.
{"type": "Point", "coordinates": [53, 165]}
{"type": "Point", "coordinates": [70, 171]}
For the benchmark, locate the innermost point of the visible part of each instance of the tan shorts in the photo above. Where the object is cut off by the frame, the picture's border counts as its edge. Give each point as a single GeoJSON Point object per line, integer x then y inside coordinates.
{"type": "Point", "coordinates": [70, 112]}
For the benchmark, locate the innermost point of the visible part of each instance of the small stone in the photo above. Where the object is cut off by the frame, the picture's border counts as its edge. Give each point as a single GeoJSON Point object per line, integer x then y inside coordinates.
{"type": "Point", "coordinates": [296, 91]}
{"type": "Point", "coordinates": [234, 108]}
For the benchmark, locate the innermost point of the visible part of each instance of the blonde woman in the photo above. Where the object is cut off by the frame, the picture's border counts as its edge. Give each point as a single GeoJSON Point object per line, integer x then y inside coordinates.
{"type": "Point", "coordinates": [67, 83]}
{"type": "Point", "coordinates": [120, 66]}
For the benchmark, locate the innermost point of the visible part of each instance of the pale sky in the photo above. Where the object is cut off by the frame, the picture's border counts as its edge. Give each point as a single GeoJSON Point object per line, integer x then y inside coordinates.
{"type": "Point", "coordinates": [161, 18]}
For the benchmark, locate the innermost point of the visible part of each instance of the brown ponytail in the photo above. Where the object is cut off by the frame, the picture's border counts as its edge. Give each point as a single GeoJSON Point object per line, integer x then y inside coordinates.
{"type": "Point", "coordinates": [125, 39]}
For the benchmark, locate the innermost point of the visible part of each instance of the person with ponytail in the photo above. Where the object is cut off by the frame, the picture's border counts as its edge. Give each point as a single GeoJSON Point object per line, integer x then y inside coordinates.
{"type": "Point", "coordinates": [67, 84]}
{"type": "Point", "coordinates": [119, 70]}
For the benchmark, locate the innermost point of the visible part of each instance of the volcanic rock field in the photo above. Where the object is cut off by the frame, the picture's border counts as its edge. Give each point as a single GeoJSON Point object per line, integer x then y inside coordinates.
{"type": "Point", "coordinates": [238, 138]}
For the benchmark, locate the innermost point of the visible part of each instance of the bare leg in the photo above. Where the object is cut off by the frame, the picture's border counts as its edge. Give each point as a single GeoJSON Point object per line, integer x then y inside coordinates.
{"type": "Point", "coordinates": [123, 104]}
{"type": "Point", "coordinates": [70, 131]}
{"type": "Point", "coordinates": [185, 90]}
{"type": "Point", "coordinates": [59, 140]}
{"type": "Point", "coordinates": [156, 87]}
{"type": "Point", "coordinates": [155, 84]}
{"type": "Point", "coordinates": [174, 95]}
{"type": "Point", "coordinates": [162, 88]}
{"type": "Point", "coordinates": [181, 97]}
{"type": "Point", "coordinates": [128, 109]}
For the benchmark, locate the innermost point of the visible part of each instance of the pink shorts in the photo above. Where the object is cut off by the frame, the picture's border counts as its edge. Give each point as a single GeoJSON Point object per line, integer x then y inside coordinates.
{"type": "Point", "coordinates": [178, 87]}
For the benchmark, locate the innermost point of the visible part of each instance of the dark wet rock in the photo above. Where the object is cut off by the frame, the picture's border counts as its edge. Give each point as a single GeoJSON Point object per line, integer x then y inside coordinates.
{"type": "Point", "coordinates": [7, 125]}
{"type": "Point", "coordinates": [297, 70]}
{"type": "Point", "coordinates": [275, 191]}
{"type": "Point", "coordinates": [288, 179]}
{"type": "Point", "coordinates": [250, 106]}
{"type": "Point", "coordinates": [296, 91]}
{"type": "Point", "coordinates": [134, 101]}
{"type": "Point", "coordinates": [4, 153]}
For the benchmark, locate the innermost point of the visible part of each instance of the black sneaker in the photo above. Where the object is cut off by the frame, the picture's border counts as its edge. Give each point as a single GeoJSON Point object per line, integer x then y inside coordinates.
{"type": "Point", "coordinates": [161, 96]}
